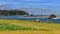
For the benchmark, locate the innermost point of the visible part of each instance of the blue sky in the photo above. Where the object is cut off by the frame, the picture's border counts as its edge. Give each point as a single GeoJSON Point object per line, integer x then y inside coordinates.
{"type": "Point", "coordinates": [44, 7]}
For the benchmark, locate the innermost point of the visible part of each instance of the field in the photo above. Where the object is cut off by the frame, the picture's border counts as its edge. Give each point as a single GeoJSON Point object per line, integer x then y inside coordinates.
{"type": "Point", "coordinates": [28, 27]}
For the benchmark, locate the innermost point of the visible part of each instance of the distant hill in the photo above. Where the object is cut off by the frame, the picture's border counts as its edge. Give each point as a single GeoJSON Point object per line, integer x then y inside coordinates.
{"type": "Point", "coordinates": [40, 15]}
{"type": "Point", "coordinates": [13, 12]}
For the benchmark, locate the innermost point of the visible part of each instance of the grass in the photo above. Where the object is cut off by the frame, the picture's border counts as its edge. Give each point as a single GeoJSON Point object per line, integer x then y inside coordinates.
{"type": "Point", "coordinates": [12, 27]}
{"type": "Point", "coordinates": [28, 27]}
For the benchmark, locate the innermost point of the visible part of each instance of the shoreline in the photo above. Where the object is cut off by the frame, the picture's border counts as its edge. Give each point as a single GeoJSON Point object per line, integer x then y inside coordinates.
{"type": "Point", "coordinates": [26, 16]}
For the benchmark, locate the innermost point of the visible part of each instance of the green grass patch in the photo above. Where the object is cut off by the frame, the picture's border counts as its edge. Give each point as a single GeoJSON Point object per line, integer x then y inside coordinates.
{"type": "Point", "coordinates": [12, 27]}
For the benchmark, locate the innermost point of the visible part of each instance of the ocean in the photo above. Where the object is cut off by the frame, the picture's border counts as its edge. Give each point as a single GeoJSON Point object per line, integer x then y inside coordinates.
{"type": "Point", "coordinates": [30, 18]}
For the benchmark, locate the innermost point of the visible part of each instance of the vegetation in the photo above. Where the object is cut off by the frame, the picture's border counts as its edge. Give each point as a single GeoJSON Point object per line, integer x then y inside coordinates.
{"type": "Point", "coordinates": [12, 27]}
{"type": "Point", "coordinates": [13, 12]}
{"type": "Point", "coordinates": [25, 27]}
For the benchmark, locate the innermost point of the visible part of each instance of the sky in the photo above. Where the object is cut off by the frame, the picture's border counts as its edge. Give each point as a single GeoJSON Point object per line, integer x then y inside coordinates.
{"type": "Point", "coordinates": [37, 7]}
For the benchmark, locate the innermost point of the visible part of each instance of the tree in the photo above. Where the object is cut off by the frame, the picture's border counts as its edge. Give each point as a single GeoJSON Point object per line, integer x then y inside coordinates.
{"type": "Point", "coordinates": [13, 12]}
{"type": "Point", "coordinates": [52, 16]}
{"type": "Point", "coordinates": [23, 13]}
{"type": "Point", "coordinates": [0, 12]}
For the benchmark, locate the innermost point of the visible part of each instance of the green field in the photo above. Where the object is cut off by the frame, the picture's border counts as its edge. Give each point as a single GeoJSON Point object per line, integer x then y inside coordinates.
{"type": "Point", "coordinates": [25, 27]}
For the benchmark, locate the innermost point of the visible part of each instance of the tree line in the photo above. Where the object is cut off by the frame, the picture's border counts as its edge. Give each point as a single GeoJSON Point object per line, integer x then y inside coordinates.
{"type": "Point", "coordinates": [13, 12]}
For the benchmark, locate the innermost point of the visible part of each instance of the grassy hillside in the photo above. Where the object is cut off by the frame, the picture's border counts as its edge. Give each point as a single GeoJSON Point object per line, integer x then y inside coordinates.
{"type": "Point", "coordinates": [25, 27]}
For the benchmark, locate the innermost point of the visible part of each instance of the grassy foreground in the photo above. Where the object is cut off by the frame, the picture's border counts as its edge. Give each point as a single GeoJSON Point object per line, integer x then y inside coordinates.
{"type": "Point", "coordinates": [28, 27]}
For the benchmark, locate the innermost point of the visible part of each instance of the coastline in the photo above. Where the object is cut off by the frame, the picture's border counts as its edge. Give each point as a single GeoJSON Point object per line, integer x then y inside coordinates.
{"type": "Point", "coordinates": [26, 16]}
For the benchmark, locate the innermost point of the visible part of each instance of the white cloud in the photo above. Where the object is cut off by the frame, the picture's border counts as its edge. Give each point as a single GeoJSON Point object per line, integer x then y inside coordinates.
{"type": "Point", "coordinates": [3, 3]}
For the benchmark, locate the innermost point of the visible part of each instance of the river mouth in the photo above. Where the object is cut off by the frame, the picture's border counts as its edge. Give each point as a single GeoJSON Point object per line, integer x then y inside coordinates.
{"type": "Point", "coordinates": [55, 20]}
